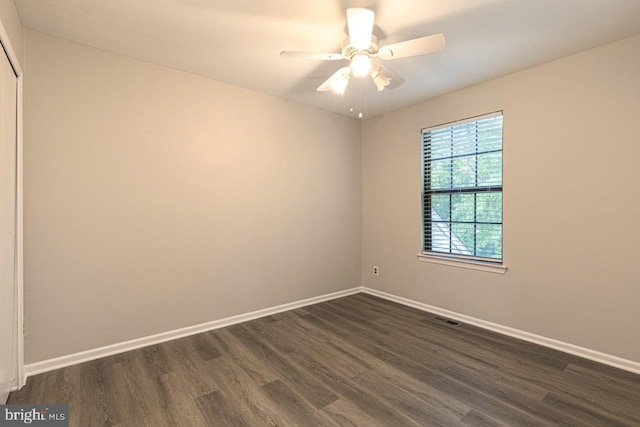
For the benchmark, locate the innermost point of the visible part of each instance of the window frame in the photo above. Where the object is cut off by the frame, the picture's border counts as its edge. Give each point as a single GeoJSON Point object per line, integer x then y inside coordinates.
{"type": "Point", "coordinates": [460, 260]}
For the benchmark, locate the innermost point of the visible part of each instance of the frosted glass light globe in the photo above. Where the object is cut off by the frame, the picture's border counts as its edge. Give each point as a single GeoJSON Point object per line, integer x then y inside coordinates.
{"type": "Point", "coordinates": [361, 65]}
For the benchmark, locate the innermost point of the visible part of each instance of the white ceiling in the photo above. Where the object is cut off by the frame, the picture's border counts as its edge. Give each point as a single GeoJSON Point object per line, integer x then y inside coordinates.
{"type": "Point", "coordinates": [239, 41]}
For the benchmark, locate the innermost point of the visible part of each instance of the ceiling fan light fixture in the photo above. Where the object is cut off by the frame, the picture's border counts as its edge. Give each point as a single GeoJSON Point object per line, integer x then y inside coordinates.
{"type": "Point", "coordinates": [361, 65]}
{"type": "Point", "coordinates": [381, 81]}
{"type": "Point", "coordinates": [339, 85]}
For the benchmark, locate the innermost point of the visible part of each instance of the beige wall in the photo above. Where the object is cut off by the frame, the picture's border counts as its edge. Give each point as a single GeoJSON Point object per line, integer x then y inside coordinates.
{"type": "Point", "coordinates": [12, 25]}
{"type": "Point", "coordinates": [156, 199]}
{"type": "Point", "coordinates": [571, 202]}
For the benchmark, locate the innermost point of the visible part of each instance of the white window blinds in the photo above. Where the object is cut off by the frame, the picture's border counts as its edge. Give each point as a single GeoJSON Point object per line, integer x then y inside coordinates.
{"type": "Point", "coordinates": [462, 188]}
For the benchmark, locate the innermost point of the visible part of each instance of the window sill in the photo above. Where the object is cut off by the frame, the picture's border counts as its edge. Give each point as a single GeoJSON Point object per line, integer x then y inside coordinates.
{"type": "Point", "coordinates": [463, 263]}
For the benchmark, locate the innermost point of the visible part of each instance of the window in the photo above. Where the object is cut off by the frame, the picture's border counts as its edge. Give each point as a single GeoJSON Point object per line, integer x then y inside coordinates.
{"type": "Point", "coordinates": [462, 189]}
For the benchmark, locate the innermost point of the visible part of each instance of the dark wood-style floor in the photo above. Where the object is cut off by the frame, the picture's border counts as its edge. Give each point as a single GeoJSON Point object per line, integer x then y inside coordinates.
{"type": "Point", "coordinates": [357, 361]}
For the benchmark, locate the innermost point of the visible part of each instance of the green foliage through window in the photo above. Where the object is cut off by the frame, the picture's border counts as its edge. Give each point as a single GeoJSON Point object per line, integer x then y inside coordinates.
{"type": "Point", "coordinates": [462, 188]}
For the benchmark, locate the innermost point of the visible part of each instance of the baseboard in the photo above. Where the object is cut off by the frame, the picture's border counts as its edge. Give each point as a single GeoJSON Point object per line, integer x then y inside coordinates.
{"type": "Point", "coordinates": [85, 356]}
{"type": "Point", "coordinates": [109, 350]}
{"type": "Point", "coordinates": [596, 356]}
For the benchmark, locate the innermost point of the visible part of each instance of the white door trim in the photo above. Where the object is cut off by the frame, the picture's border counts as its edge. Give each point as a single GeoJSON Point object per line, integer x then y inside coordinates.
{"type": "Point", "coordinates": [17, 68]}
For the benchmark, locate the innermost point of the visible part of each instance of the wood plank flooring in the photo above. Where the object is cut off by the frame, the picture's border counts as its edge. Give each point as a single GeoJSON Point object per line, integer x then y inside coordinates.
{"type": "Point", "coordinates": [354, 361]}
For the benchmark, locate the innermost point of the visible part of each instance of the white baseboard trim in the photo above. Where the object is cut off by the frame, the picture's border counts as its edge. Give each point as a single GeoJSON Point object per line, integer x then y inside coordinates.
{"type": "Point", "coordinates": [22, 378]}
{"type": "Point", "coordinates": [596, 356]}
{"type": "Point", "coordinates": [109, 350]}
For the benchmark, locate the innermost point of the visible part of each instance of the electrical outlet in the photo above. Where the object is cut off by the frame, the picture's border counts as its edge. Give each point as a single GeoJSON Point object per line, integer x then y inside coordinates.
{"type": "Point", "coordinates": [376, 270]}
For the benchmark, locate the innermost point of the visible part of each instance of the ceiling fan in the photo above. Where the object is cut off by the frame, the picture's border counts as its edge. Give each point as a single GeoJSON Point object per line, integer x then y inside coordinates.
{"type": "Point", "coordinates": [361, 47]}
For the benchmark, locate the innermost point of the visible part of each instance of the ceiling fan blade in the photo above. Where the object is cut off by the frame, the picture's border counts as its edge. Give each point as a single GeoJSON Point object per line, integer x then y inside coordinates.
{"type": "Point", "coordinates": [415, 47]}
{"type": "Point", "coordinates": [326, 86]}
{"type": "Point", "coordinates": [360, 23]}
{"type": "Point", "coordinates": [319, 56]}
{"type": "Point", "coordinates": [395, 79]}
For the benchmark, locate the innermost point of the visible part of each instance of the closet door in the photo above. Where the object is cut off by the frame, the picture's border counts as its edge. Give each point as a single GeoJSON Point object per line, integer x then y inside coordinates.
{"type": "Point", "coordinates": [8, 291]}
